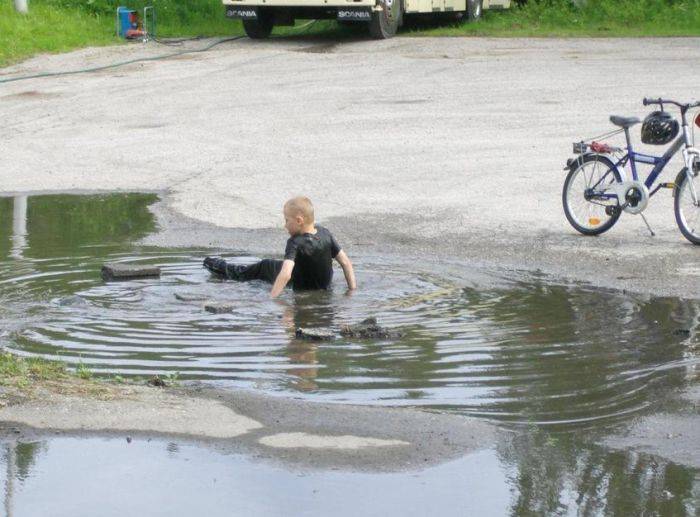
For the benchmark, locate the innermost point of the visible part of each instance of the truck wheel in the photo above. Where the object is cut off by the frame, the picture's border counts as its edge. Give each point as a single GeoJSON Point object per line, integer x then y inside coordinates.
{"type": "Point", "coordinates": [474, 9]}
{"type": "Point", "coordinates": [386, 22]}
{"type": "Point", "coordinates": [259, 28]}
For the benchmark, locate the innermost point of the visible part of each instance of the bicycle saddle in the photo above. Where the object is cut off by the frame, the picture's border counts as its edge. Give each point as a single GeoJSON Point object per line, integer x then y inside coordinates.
{"type": "Point", "coordinates": [624, 121]}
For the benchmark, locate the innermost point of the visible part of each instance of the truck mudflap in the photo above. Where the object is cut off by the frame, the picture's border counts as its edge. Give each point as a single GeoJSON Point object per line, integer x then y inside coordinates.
{"type": "Point", "coordinates": [354, 14]}
{"type": "Point", "coordinates": [242, 12]}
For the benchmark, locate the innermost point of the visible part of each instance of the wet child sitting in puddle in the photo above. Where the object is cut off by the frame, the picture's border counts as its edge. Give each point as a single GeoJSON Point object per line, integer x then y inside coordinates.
{"type": "Point", "coordinates": [308, 257]}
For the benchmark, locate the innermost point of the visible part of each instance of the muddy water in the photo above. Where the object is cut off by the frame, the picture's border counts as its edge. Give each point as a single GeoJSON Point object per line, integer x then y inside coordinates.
{"type": "Point", "coordinates": [526, 353]}
{"type": "Point", "coordinates": [565, 360]}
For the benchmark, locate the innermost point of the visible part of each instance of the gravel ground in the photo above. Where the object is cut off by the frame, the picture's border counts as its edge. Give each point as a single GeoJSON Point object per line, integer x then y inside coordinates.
{"type": "Point", "coordinates": [435, 149]}
{"type": "Point", "coordinates": [438, 147]}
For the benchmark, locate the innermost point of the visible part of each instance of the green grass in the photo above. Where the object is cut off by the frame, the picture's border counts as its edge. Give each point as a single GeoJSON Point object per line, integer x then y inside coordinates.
{"type": "Point", "coordinates": [48, 29]}
{"type": "Point", "coordinates": [22, 372]}
{"type": "Point", "coordinates": [62, 25]}
{"type": "Point", "coordinates": [83, 371]}
{"type": "Point", "coordinates": [596, 18]}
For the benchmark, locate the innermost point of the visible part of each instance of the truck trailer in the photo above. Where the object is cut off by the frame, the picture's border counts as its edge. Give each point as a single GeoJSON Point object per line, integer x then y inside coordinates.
{"type": "Point", "coordinates": [382, 17]}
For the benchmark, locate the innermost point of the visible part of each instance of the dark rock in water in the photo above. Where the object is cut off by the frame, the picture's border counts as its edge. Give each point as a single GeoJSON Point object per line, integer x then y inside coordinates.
{"type": "Point", "coordinates": [128, 272]}
{"type": "Point", "coordinates": [318, 334]}
{"type": "Point", "coordinates": [219, 307]}
{"type": "Point", "coordinates": [681, 332]}
{"type": "Point", "coordinates": [73, 301]}
{"type": "Point", "coordinates": [184, 297]}
{"type": "Point", "coordinates": [369, 329]}
{"type": "Point", "coordinates": [157, 382]}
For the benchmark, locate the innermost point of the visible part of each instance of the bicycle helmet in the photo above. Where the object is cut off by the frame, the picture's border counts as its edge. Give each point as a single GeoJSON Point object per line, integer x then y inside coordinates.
{"type": "Point", "coordinates": [659, 128]}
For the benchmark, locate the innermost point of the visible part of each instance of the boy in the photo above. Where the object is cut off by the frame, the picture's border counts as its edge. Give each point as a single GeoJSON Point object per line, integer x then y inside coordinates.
{"type": "Point", "coordinates": [307, 257]}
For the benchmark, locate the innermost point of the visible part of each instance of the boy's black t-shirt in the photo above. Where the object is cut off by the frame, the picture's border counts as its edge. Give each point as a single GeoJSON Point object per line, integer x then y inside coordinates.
{"type": "Point", "coordinates": [313, 256]}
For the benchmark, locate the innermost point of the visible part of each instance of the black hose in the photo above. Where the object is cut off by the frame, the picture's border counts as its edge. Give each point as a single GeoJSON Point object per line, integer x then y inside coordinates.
{"type": "Point", "coordinates": [122, 63]}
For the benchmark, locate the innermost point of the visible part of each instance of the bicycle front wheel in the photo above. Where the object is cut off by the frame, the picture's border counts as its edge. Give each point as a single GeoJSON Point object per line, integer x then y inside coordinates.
{"type": "Point", "coordinates": [586, 195]}
{"type": "Point", "coordinates": [686, 205]}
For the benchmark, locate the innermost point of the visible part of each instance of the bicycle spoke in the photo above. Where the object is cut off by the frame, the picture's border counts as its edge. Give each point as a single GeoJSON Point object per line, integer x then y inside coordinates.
{"type": "Point", "coordinates": [688, 207]}
{"type": "Point", "coordinates": [589, 213]}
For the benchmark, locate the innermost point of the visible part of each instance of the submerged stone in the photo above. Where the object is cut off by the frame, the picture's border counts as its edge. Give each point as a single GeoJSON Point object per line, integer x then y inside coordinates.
{"type": "Point", "coordinates": [128, 271]}
{"type": "Point", "coordinates": [369, 329]}
{"type": "Point", "coordinates": [317, 334]}
{"type": "Point", "coordinates": [73, 301]}
{"type": "Point", "coordinates": [219, 307]}
{"type": "Point", "coordinates": [184, 297]}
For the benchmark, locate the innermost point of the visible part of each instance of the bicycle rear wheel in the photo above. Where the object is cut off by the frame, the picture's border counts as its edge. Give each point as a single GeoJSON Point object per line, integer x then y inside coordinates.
{"type": "Point", "coordinates": [584, 197]}
{"type": "Point", "coordinates": [686, 206]}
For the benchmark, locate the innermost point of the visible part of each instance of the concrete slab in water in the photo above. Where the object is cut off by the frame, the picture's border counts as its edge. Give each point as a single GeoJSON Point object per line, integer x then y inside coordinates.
{"type": "Point", "coordinates": [315, 334]}
{"type": "Point", "coordinates": [128, 271]}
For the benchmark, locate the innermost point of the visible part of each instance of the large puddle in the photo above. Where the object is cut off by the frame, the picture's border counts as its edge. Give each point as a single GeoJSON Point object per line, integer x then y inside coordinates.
{"type": "Point", "coordinates": [527, 353]}
{"type": "Point", "coordinates": [557, 358]}
{"type": "Point", "coordinates": [115, 477]}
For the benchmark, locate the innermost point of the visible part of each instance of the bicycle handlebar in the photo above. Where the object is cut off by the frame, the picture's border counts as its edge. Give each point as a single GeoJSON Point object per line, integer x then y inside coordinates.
{"type": "Point", "coordinates": [646, 101]}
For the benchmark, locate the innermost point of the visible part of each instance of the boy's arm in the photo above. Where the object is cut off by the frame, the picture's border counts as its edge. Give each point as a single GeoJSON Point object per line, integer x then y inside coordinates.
{"type": "Point", "coordinates": [283, 278]}
{"type": "Point", "coordinates": [349, 272]}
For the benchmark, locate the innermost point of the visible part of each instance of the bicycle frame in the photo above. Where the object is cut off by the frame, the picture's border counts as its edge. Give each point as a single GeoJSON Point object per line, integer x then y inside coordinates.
{"type": "Point", "coordinates": [659, 162]}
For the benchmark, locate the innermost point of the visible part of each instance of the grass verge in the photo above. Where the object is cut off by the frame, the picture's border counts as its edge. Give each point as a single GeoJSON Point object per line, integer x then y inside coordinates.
{"type": "Point", "coordinates": [62, 25]}
{"type": "Point", "coordinates": [26, 373]}
{"type": "Point", "coordinates": [22, 372]}
{"type": "Point", "coordinates": [592, 18]}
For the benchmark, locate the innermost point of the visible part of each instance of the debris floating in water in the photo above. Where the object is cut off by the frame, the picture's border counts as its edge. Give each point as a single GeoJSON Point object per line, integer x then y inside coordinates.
{"type": "Point", "coordinates": [369, 329]}
{"type": "Point", "coordinates": [219, 307]}
{"type": "Point", "coordinates": [73, 301]}
{"type": "Point", "coordinates": [157, 382]}
{"type": "Point", "coordinates": [184, 297]}
{"type": "Point", "coordinates": [318, 334]}
{"type": "Point", "coordinates": [128, 271]}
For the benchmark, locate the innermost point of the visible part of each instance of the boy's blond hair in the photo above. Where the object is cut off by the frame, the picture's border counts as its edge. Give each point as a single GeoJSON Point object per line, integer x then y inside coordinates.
{"type": "Point", "coordinates": [300, 206]}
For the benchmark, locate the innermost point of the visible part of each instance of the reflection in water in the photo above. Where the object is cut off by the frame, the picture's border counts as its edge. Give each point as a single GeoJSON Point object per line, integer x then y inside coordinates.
{"type": "Point", "coordinates": [19, 226]}
{"type": "Point", "coordinates": [533, 473]}
{"type": "Point", "coordinates": [20, 459]}
{"type": "Point", "coordinates": [307, 310]}
{"type": "Point", "coordinates": [533, 354]}
{"type": "Point", "coordinates": [553, 474]}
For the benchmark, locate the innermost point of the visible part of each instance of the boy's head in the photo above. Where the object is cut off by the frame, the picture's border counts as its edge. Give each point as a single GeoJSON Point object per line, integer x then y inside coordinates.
{"type": "Point", "coordinates": [298, 215]}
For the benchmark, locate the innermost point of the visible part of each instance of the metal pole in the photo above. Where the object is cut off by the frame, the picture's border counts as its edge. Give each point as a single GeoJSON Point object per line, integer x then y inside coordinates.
{"type": "Point", "coordinates": [21, 6]}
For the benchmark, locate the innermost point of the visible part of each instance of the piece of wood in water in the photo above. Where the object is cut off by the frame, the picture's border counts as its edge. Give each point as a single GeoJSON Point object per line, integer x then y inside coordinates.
{"type": "Point", "coordinates": [186, 297]}
{"type": "Point", "coordinates": [128, 271]}
{"type": "Point", "coordinates": [219, 307]}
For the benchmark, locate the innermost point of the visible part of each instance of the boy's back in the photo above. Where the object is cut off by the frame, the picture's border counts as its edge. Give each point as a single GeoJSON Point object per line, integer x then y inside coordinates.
{"type": "Point", "coordinates": [313, 255]}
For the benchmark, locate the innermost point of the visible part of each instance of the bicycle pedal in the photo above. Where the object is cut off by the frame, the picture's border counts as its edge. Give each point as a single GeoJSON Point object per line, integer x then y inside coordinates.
{"type": "Point", "coordinates": [667, 185]}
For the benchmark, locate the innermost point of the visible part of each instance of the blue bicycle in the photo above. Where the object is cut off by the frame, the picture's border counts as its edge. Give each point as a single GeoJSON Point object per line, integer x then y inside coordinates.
{"type": "Point", "coordinates": [598, 187]}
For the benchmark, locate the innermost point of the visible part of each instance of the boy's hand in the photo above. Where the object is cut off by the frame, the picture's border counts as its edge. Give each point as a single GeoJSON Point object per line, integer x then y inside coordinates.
{"type": "Point", "coordinates": [282, 279]}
